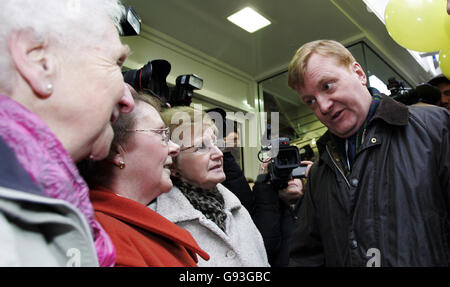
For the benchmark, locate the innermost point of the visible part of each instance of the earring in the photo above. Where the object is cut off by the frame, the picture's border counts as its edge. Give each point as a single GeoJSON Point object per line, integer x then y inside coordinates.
{"type": "Point", "coordinates": [121, 164]}
{"type": "Point", "coordinates": [49, 88]}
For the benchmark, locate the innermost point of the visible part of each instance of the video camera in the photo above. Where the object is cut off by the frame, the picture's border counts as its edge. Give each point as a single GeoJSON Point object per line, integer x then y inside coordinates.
{"type": "Point", "coordinates": [151, 79]}
{"type": "Point", "coordinates": [424, 93]}
{"type": "Point", "coordinates": [283, 165]}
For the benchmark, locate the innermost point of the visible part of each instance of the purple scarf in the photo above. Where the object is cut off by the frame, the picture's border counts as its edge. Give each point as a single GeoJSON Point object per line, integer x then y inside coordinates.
{"type": "Point", "coordinates": [51, 167]}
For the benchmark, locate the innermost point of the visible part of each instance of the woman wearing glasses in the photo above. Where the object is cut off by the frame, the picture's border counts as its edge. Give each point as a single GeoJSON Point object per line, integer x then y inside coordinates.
{"type": "Point", "coordinates": [135, 173]}
{"type": "Point", "coordinates": [199, 203]}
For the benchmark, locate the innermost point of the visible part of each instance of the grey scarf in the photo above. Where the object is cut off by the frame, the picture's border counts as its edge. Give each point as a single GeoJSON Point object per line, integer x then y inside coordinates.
{"type": "Point", "coordinates": [209, 202]}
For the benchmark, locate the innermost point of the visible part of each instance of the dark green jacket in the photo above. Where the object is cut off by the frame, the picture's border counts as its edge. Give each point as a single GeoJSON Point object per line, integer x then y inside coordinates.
{"type": "Point", "coordinates": [393, 208]}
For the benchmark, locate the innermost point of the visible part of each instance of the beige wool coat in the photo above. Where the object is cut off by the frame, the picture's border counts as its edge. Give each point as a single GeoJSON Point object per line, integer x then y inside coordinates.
{"type": "Point", "coordinates": [240, 246]}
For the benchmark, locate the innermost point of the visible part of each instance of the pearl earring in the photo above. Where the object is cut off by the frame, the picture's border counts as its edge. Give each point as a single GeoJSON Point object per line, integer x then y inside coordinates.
{"type": "Point", "coordinates": [50, 88]}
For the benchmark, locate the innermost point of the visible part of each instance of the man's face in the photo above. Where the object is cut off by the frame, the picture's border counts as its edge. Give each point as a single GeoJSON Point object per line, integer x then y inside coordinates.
{"type": "Point", "coordinates": [445, 95]}
{"type": "Point", "coordinates": [337, 95]}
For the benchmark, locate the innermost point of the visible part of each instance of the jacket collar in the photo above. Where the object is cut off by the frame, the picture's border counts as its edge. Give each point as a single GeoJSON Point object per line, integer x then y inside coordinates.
{"type": "Point", "coordinates": [176, 207]}
{"type": "Point", "coordinates": [392, 112]}
{"type": "Point", "coordinates": [137, 214]}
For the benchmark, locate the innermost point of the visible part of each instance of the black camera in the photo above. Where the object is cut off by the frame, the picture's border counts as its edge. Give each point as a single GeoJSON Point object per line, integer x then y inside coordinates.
{"type": "Point", "coordinates": [151, 79]}
{"type": "Point", "coordinates": [401, 94]}
{"type": "Point", "coordinates": [185, 85]}
{"type": "Point", "coordinates": [424, 93]}
{"type": "Point", "coordinates": [285, 164]}
{"type": "Point", "coordinates": [130, 22]}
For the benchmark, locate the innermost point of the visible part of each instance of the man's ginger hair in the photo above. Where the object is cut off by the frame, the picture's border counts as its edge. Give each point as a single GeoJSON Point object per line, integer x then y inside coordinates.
{"type": "Point", "coordinates": [328, 48]}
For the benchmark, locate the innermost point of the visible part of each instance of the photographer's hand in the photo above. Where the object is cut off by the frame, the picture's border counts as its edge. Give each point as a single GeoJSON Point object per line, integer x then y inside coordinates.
{"type": "Point", "coordinates": [294, 191]}
{"type": "Point", "coordinates": [308, 164]}
{"type": "Point", "coordinates": [264, 166]}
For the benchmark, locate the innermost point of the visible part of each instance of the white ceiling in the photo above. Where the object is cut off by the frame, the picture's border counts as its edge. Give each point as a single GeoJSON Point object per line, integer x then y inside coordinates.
{"type": "Point", "coordinates": [202, 24]}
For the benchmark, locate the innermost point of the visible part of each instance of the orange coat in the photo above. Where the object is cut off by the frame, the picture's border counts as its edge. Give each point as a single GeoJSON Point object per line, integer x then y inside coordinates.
{"type": "Point", "coordinates": [141, 236]}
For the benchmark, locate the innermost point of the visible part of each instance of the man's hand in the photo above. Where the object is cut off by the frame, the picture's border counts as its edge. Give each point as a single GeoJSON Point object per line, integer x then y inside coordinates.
{"type": "Point", "coordinates": [264, 166]}
{"type": "Point", "coordinates": [295, 189]}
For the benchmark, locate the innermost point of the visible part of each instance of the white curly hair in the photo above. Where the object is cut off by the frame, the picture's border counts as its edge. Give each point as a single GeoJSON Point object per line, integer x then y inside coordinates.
{"type": "Point", "coordinates": [70, 23]}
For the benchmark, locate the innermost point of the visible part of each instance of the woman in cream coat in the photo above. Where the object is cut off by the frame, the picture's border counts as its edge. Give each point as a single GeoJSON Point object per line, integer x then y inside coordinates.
{"type": "Point", "coordinates": [200, 204]}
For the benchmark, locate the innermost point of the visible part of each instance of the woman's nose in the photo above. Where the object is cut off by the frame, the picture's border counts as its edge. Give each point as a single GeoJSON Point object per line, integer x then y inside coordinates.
{"type": "Point", "coordinates": [216, 153]}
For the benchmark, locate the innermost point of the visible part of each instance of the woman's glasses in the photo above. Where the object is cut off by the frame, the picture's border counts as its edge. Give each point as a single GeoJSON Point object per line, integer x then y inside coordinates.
{"type": "Point", "coordinates": [164, 133]}
{"type": "Point", "coordinates": [202, 148]}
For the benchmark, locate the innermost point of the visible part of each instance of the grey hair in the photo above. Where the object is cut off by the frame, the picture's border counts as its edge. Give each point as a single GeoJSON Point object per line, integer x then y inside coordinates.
{"type": "Point", "coordinates": [69, 23]}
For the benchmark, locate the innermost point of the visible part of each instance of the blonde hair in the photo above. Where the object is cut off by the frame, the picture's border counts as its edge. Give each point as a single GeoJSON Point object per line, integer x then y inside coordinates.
{"type": "Point", "coordinates": [182, 117]}
{"type": "Point", "coordinates": [329, 48]}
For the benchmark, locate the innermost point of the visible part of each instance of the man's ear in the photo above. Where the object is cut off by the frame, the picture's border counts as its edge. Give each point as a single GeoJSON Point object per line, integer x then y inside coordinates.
{"type": "Point", "coordinates": [32, 60]}
{"type": "Point", "coordinates": [356, 67]}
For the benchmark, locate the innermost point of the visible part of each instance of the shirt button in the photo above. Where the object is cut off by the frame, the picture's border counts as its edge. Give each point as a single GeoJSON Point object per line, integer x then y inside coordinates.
{"type": "Point", "coordinates": [354, 244]}
{"type": "Point", "coordinates": [231, 254]}
{"type": "Point", "coordinates": [354, 182]}
{"type": "Point", "coordinates": [373, 140]}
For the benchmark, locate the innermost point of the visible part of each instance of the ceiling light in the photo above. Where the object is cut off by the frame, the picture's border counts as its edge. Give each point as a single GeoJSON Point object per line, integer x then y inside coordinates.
{"type": "Point", "coordinates": [249, 20]}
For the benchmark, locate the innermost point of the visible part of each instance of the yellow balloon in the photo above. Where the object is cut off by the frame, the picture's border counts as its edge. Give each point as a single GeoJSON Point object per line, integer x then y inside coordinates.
{"type": "Point", "coordinates": [447, 28]}
{"type": "Point", "coordinates": [418, 25]}
{"type": "Point", "coordinates": [444, 61]}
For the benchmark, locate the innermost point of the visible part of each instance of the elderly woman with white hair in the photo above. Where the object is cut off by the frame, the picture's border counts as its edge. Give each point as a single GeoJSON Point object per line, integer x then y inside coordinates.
{"type": "Point", "coordinates": [61, 88]}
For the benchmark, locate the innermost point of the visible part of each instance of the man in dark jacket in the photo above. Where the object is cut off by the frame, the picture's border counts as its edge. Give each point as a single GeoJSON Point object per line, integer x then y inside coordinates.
{"type": "Point", "coordinates": [379, 194]}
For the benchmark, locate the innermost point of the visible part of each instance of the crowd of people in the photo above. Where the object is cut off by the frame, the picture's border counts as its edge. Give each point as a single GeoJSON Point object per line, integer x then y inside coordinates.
{"type": "Point", "coordinates": [95, 173]}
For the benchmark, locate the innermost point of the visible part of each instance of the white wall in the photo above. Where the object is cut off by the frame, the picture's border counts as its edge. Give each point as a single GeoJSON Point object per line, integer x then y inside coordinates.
{"type": "Point", "coordinates": [222, 84]}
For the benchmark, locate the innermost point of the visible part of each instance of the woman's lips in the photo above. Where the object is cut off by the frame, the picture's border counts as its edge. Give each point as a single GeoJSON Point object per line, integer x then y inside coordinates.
{"type": "Point", "coordinates": [218, 166]}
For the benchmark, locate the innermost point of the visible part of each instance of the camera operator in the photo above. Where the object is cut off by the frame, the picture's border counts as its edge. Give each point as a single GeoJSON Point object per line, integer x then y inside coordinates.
{"type": "Point", "coordinates": [274, 213]}
{"type": "Point", "coordinates": [423, 94]}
